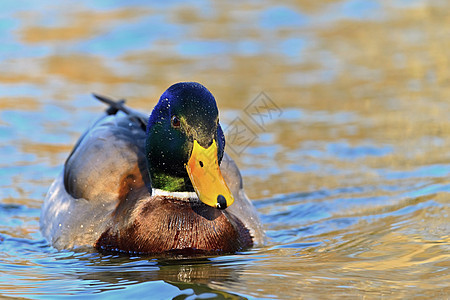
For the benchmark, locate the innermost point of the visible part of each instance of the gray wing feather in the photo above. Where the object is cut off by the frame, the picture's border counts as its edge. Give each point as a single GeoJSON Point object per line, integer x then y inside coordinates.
{"type": "Point", "coordinates": [242, 207]}
{"type": "Point", "coordinates": [110, 150]}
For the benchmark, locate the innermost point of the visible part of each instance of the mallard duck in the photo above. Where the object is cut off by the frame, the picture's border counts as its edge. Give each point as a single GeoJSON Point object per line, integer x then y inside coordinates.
{"type": "Point", "coordinates": [160, 186]}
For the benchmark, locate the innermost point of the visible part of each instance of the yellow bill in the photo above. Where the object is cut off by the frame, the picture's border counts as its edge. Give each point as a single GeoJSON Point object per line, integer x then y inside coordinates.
{"type": "Point", "coordinates": [204, 172]}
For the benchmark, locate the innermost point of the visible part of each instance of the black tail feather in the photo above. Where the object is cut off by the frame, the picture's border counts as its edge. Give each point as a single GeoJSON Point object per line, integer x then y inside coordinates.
{"type": "Point", "coordinates": [119, 105]}
{"type": "Point", "coordinates": [114, 106]}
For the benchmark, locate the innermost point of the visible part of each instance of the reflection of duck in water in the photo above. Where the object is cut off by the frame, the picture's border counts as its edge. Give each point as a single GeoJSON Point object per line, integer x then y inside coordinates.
{"type": "Point", "coordinates": [170, 276]}
{"type": "Point", "coordinates": [102, 198]}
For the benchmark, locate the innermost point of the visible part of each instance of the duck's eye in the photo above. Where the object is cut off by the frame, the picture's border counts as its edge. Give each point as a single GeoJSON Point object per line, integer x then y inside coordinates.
{"type": "Point", "coordinates": [175, 121]}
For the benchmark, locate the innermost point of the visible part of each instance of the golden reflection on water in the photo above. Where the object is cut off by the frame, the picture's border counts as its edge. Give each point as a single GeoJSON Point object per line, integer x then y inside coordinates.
{"type": "Point", "coordinates": [82, 24]}
{"type": "Point", "coordinates": [380, 81]}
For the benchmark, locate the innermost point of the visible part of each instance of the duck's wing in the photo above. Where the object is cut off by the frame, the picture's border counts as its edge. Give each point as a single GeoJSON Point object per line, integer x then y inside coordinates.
{"type": "Point", "coordinates": [106, 166]}
{"type": "Point", "coordinates": [108, 156]}
{"type": "Point", "coordinates": [242, 207]}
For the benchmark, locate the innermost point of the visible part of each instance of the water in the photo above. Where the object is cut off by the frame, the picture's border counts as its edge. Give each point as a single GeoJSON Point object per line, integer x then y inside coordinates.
{"type": "Point", "coordinates": [349, 169]}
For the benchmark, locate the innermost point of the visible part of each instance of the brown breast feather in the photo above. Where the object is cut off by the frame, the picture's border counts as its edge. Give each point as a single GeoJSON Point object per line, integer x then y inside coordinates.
{"type": "Point", "coordinates": [163, 224]}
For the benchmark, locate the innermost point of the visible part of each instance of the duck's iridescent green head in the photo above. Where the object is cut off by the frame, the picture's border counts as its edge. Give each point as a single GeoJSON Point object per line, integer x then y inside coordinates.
{"type": "Point", "coordinates": [185, 144]}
